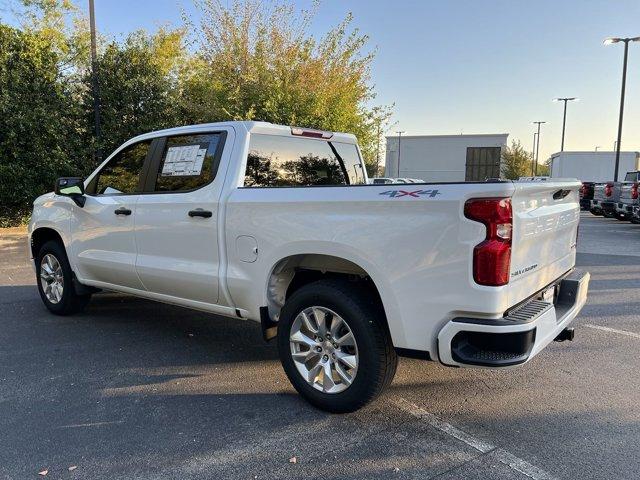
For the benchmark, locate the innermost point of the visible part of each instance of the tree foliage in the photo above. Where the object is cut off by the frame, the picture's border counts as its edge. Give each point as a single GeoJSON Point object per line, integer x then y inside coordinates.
{"type": "Point", "coordinates": [37, 115]}
{"type": "Point", "coordinates": [516, 161]}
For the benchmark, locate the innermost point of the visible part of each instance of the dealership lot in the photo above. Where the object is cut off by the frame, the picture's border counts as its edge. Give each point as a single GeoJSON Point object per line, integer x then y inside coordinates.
{"type": "Point", "coordinates": [135, 389]}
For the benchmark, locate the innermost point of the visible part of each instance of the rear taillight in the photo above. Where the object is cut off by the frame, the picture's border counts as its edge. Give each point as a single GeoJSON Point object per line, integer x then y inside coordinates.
{"type": "Point", "coordinates": [608, 189]}
{"type": "Point", "coordinates": [492, 257]}
{"type": "Point", "coordinates": [634, 191]}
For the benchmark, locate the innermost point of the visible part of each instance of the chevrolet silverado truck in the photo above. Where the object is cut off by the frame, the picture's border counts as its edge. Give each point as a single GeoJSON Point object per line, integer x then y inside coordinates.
{"type": "Point", "coordinates": [278, 225]}
{"type": "Point", "coordinates": [605, 198]}
{"type": "Point", "coordinates": [628, 196]}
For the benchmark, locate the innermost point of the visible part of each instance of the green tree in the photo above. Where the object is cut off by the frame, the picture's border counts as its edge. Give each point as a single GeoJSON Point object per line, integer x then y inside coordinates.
{"type": "Point", "coordinates": [137, 82]}
{"type": "Point", "coordinates": [516, 161]}
{"type": "Point", "coordinates": [259, 61]}
{"type": "Point", "coordinates": [36, 119]}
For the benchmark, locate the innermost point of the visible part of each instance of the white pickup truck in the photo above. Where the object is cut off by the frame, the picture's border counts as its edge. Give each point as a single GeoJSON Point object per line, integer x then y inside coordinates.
{"type": "Point", "coordinates": [278, 225]}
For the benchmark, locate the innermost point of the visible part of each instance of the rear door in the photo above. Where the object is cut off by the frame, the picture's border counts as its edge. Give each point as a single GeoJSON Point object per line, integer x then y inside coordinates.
{"type": "Point", "coordinates": [545, 227]}
{"type": "Point", "coordinates": [176, 229]}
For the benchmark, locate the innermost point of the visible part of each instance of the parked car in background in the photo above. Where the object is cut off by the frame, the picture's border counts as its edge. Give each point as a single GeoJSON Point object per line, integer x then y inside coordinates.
{"type": "Point", "coordinates": [381, 181]}
{"type": "Point", "coordinates": [586, 195]}
{"type": "Point", "coordinates": [628, 196]}
{"type": "Point", "coordinates": [605, 197]}
{"type": "Point", "coordinates": [272, 224]}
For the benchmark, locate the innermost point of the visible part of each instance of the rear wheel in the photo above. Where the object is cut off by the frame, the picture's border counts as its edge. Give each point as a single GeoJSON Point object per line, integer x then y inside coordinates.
{"type": "Point", "coordinates": [55, 281]}
{"type": "Point", "coordinates": [595, 212]}
{"type": "Point", "coordinates": [334, 345]}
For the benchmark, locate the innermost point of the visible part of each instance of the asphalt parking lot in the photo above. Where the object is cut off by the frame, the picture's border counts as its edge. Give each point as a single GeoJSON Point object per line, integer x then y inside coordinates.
{"type": "Point", "coordinates": [135, 389]}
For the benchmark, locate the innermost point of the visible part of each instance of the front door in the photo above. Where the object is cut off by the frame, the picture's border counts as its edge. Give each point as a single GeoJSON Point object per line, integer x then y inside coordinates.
{"type": "Point", "coordinates": [103, 230]}
{"type": "Point", "coordinates": [176, 229]}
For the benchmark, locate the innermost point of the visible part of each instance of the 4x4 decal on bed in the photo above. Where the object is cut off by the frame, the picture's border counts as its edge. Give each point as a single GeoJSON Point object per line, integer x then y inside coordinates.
{"type": "Point", "coordinates": [413, 193]}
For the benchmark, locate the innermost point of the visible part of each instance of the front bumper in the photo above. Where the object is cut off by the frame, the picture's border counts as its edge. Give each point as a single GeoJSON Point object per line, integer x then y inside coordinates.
{"type": "Point", "coordinates": [519, 335]}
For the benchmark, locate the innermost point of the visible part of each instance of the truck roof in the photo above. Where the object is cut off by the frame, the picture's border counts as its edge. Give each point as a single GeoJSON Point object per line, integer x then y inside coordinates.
{"type": "Point", "coordinates": [248, 126]}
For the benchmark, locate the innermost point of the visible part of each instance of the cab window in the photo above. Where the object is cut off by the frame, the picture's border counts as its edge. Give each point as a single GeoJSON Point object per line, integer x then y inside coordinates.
{"type": "Point", "coordinates": [122, 174]}
{"type": "Point", "coordinates": [188, 162]}
{"type": "Point", "coordinates": [348, 153]}
{"type": "Point", "coordinates": [279, 161]}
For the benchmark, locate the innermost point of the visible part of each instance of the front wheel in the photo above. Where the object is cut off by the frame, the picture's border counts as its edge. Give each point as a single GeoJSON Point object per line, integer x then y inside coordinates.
{"type": "Point", "coordinates": [55, 281]}
{"type": "Point", "coordinates": [334, 345]}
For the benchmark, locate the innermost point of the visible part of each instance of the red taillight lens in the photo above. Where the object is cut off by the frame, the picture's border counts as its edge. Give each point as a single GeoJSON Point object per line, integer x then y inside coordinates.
{"type": "Point", "coordinates": [492, 257]}
{"type": "Point", "coordinates": [608, 190]}
{"type": "Point", "coordinates": [634, 191]}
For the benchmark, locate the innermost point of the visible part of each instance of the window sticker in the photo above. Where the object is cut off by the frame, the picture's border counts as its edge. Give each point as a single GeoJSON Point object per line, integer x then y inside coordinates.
{"type": "Point", "coordinates": [184, 161]}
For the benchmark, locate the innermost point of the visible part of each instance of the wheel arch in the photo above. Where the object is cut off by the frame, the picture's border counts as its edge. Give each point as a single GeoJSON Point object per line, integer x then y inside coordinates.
{"type": "Point", "coordinates": [296, 269]}
{"type": "Point", "coordinates": [41, 235]}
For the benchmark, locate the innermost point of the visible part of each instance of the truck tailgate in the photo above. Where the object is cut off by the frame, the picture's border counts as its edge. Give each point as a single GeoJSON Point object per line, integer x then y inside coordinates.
{"type": "Point", "coordinates": [545, 226]}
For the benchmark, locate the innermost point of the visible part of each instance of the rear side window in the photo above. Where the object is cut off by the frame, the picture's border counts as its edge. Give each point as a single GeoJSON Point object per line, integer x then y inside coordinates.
{"type": "Point", "coordinates": [348, 153]}
{"type": "Point", "coordinates": [122, 173]}
{"type": "Point", "coordinates": [188, 162]}
{"type": "Point", "coordinates": [278, 161]}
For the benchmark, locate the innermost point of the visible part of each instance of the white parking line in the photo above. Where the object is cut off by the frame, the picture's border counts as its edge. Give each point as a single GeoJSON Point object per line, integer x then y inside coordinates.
{"type": "Point", "coordinates": [613, 330]}
{"type": "Point", "coordinates": [503, 456]}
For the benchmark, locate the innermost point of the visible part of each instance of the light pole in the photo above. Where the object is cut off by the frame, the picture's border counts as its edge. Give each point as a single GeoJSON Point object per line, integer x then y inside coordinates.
{"type": "Point", "coordinates": [537, 146]}
{"type": "Point", "coordinates": [400, 132]}
{"type": "Point", "coordinates": [626, 41]}
{"type": "Point", "coordinates": [533, 153]}
{"type": "Point", "coordinates": [94, 80]}
{"type": "Point", "coordinates": [564, 116]}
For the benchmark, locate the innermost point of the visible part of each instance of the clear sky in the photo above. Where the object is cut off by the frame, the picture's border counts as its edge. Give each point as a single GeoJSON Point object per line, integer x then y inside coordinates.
{"type": "Point", "coordinates": [477, 66]}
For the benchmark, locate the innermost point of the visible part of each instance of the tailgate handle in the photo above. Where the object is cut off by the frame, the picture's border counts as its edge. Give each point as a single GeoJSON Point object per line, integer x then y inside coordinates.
{"type": "Point", "coordinates": [561, 194]}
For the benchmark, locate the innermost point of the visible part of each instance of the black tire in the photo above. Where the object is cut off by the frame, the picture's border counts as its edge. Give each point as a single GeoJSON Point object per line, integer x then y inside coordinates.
{"type": "Point", "coordinates": [622, 218]}
{"type": "Point", "coordinates": [70, 302]}
{"type": "Point", "coordinates": [634, 220]}
{"type": "Point", "coordinates": [377, 358]}
{"type": "Point", "coordinates": [595, 212]}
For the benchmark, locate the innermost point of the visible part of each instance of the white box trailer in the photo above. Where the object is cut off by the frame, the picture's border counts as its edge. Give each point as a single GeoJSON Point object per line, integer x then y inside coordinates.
{"type": "Point", "coordinates": [593, 166]}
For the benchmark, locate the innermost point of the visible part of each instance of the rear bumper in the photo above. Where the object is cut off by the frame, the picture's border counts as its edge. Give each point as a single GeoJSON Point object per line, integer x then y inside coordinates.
{"type": "Point", "coordinates": [625, 209]}
{"type": "Point", "coordinates": [609, 207]}
{"type": "Point", "coordinates": [518, 336]}
{"type": "Point", "coordinates": [585, 203]}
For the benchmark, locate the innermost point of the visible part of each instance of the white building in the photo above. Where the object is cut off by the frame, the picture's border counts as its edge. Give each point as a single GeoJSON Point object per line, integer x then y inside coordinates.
{"type": "Point", "coordinates": [593, 166]}
{"type": "Point", "coordinates": [445, 158]}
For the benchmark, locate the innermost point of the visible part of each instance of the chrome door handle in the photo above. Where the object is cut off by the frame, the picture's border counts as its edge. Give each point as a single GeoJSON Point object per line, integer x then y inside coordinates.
{"type": "Point", "coordinates": [122, 211]}
{"type": "Point", "coordinates": [198, 212]}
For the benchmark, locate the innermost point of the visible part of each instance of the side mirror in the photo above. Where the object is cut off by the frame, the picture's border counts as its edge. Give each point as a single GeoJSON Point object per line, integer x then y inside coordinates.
{"type": "Point", "coordinates": [72, 187]}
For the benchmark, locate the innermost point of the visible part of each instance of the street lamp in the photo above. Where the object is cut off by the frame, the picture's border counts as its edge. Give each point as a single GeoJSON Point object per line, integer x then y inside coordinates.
{"type": "Point", "coordinates": [400, 132]}
{"type": "Point", "coordinates": [533, 153]}
{"type": "Point", "coordinates": [564, 116]}
{"type": "Point", "coordinates": [610, 41]}
{"type": "Point", "coordinates": [537, 145]}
